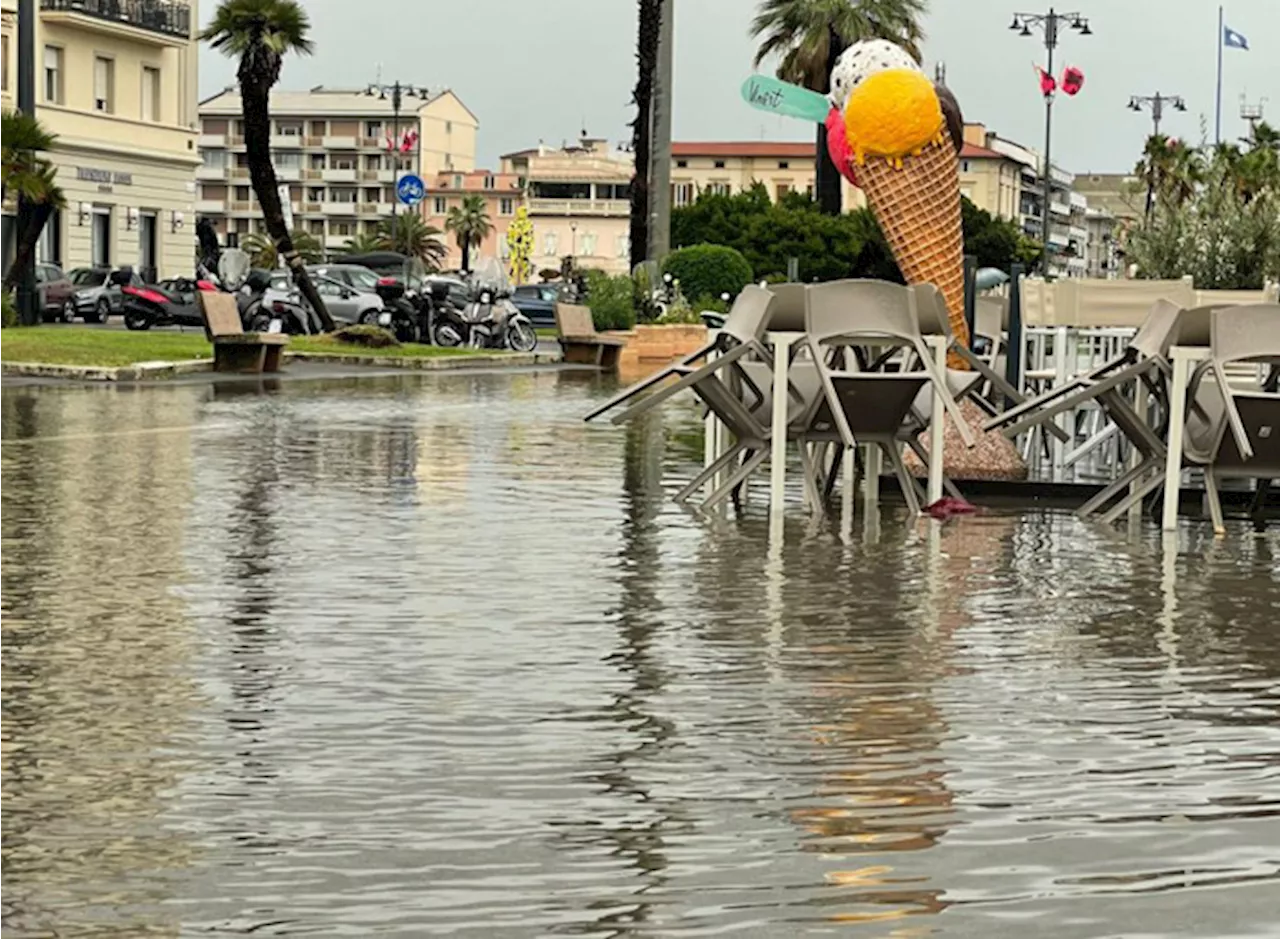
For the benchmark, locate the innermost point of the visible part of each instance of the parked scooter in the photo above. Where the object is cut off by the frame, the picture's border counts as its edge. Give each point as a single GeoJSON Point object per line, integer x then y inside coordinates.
{"type": "Point", "coordinates": [171, 302]}
{"type": "Point", "coordinates": [490, 320]}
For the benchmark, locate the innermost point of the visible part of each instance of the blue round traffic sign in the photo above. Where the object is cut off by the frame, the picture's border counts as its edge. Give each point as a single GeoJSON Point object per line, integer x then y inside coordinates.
{"type": "Point", "coordinates": [411, 189]}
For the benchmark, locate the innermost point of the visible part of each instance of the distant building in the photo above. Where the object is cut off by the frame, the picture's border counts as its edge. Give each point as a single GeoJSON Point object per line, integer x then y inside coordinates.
{"type": "Point", "coordinates": [729, 167]}
{"type": "Point", "coordinates": [334, 149]}
{"type": "Point", "coordinates": [502, 193]}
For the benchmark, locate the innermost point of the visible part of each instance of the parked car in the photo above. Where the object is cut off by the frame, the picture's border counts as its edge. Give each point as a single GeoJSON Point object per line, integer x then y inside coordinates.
{"type": "Point", "coordinates": [537, 302]}
{"type": "Point", "coordinates": [54, 288]}
{"type": "Point", "coordinates": [353, 275]}
{"type": "Point", "coordinates": [96, 297]}
{"type": "Point", "coordinates": [345, 303]}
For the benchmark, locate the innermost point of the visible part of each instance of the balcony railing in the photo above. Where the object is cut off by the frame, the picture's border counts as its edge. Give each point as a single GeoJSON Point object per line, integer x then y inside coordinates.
{"type": "Point", "coordinates": [165, 17]}
{"type": "Point", "coordinates": [618, 207]}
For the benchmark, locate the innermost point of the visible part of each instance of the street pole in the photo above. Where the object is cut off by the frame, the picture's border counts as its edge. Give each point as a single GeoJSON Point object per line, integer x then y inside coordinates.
{"type": "Point", "coordinates": [1049, 23]}
{"type": "Point", "coordinates": [395, 152]}
{"type": "Point", "coordinates": [1156, 103]}
{"type": "Point", "coordinates": [660, 141]}
{"type": "Point", "coordinates": [26, 297]}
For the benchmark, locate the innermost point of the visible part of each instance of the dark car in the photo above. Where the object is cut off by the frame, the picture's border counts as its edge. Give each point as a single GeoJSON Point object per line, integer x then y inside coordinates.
{"type": "Point", "coordinates": [55, 289]}
{"type": "Point", "coordinates": [538, 302]}
{"type": "Point", "coordinates": [97, 294]}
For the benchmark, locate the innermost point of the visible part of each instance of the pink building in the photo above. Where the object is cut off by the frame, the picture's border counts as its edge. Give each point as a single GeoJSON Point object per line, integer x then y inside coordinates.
{"type": "Point", "coordinates": [502, 195]}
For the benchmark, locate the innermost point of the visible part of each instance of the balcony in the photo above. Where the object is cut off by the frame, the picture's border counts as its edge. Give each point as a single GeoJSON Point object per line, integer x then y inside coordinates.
{"type": "Point", "coordinates": [347, 209]}
{"type": "Point", "coordinates": [289, 173]}
{"type": "Point", "coordinates": [1078, 234]}
{"type": "Point", "coordinates": [578, 207]}
{"type": "Point", "coordinates": [242, 206]}
{"type": "Point", "coordinates": [313, 208]}
{"type": "Point", "coordinates": [375, 208]}
{"type": "Point", "coordinates": [1060, 208]}
{"type": "Point", "coordinates": [338, 143]}
{"type": "Point", "coordinates": [211, 173]}
{"type": "Point", "coordinates": [286, 141]}
{"type": "Point", "coordinates": [377, 176]}
{"type": "Point", "coordinates": [212, 141]}
{"type": "Point", "coordinates": [210, 206]}
{"type": "Point", "coordinates": [338, 176]}
{"type": "Point", "coordinates": [313, 174]}
{"type": "Point", "coordinates": [162, 22]}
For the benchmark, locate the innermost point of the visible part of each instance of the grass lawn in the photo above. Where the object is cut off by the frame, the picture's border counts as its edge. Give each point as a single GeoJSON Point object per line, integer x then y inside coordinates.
{"type": "Point", "coordinates": [87, 345]}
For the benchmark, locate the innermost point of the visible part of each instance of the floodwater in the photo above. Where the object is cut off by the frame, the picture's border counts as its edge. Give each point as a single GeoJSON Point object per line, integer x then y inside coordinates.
{"type": "Point", "coordinates": [428, 656]}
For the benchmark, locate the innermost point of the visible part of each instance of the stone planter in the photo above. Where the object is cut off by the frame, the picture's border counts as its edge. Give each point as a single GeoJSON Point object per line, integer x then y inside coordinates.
{"type": "Point", "coordinates": [649, 347]}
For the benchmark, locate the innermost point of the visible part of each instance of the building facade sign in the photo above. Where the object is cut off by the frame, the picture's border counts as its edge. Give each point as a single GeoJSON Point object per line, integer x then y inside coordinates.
{"type": "Point", "coordinates": [94, 175]}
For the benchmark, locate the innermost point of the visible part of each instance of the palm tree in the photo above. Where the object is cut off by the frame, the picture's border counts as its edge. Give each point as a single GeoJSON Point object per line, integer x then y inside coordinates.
{"type": "Point", "coordinates": [470, 224]}
{"type": "Point", "coordinates": [364, 243]}
{"type": "Point", "coordinates": [263, 252]}
{"type": "Point", "coordinates": [647, 33]}
{"type": "Point", "coordinates": [809, 35]}
{"type": "Point", "coordinates": [408, 234]}
{"type": "Point", "coordinates": [40, 188]}
{"type": "Point", "coordinates": [260, 33]}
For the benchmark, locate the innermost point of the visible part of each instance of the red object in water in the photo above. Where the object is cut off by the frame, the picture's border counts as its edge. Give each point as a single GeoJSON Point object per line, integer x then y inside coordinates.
{"type": "Point", "coordinates": [949, 507]}
{"type": "Point", "coordinates": [838, 145]}
{"type": "Point", "coordinates": [1047, 83]}
{"type": "Point", "coordinates": [1072, 80]}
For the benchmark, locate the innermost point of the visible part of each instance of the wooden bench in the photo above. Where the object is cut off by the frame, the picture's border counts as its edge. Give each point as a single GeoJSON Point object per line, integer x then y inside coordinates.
{"type": "Point", "coordinates": [580, 342]}
{"type": "Point", "coordinates": [234, 350]}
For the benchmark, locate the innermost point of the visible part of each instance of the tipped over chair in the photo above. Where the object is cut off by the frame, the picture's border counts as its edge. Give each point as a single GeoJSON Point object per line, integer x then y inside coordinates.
{"type": "Point", "coordinates": [1235, 431]}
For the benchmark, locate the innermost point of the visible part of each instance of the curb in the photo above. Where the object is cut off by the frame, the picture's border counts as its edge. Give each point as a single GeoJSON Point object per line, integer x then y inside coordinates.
{"type": "Point", "coordinates": [139, 371]}
{"type": "Point", "coordinates": [431, 363]}
{"type": "Point", "coordinates": [158, 371]}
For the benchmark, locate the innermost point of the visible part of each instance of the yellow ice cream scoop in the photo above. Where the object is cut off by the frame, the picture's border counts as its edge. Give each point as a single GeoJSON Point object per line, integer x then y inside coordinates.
{"type": "Point", "coordinates": [892, 114]}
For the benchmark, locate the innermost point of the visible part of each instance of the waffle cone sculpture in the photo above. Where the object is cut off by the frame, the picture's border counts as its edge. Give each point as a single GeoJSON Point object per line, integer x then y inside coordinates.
{"type": "Point", "coordinates": [903, 152]}
{"type": "Point", "coordinates": [918, 207]}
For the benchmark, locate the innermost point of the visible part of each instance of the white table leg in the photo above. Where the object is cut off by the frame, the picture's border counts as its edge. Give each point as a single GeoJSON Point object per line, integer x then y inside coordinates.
{"type": "Point", "coordinates": [1063, 369]}
{"type": "Point", "coordinates": [937, 427]}
{"type": "Point", "coordinates": [1173, 460]}
{"type": "Point", "coordinates": [871, 457]}
{"type": "Point", "coordinates": [778, 456]}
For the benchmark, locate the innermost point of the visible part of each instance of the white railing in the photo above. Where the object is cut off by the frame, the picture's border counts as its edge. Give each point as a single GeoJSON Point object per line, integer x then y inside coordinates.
{"type": "Point", "coordinates": [619, 207]}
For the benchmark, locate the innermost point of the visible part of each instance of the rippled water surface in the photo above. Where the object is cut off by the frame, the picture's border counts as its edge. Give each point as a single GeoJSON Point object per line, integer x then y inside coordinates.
{"type": "Point", "coordinates": [428, 656]}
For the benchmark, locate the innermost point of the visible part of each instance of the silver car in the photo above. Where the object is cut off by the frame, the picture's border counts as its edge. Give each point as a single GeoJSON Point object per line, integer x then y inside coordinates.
{"type": "Point", "coordinates": [95, 297]}
{"type": "Point", "coordinates": [344, 303]}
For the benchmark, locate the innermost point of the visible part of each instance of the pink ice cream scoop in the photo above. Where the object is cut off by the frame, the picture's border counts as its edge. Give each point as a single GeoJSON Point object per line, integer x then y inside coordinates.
{"type": "Point", "coordinates": [838, 144]}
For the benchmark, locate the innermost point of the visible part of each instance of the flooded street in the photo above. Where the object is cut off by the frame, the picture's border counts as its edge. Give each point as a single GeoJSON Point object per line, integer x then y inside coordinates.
{"type": "Point", "coordinates": [426, 655]}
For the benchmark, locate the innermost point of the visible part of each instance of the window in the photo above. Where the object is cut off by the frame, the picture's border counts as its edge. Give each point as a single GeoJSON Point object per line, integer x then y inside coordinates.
{"type": "Point", "coordinates": [964, 166]}
{"type": "Point", "coordinates": [214, 159]}
{"type": "Point", "coordinates": [373, 162]}
{"type": "Point", "coordinates": [343, 161]}
{"type": "Point", "coordinates": [624, 246]}
{"type": "Point", "coordinates": [316, 226]}
{"type": "Point", "coordinates": [719, 164]}
{"type": "Point", "coordinates": [506, 207]}
{"type": "Point", "coordinates": [342, 194]}
{"type": "Point", "coordinates": [317, 161]}
{"type": "Point", "coordinates": [372, 195]}
{"type": "Point", "coordinates": [4, 61]}
{"type": "Point", "coordinates": [289, 128]}
{"type": "Point", "coordinates": [104, 79]}
{"type": "Point", "coordinates": [782, 190]}
{"type": "Point", "coordinates": [150, 93]}
{"type": "Point", "coordinates": [287, 159]}
{"type": "Point", "coordinates": [53, 74]}
{"type": "Point", "coordinates": [100, 236]}
{"type": "Point", "coordinates": [488, 182]}
{"type": "Point", "coordinates": [589, 244]}
{"type": "Point", "coordinates": [457, 181]}
{"type": "Point", "coordinates": [439, 205]}
{"type": "Point", "coordinates": [550, 243]}
{"type": "Point", "coordinates": [147, 244]}
{"type": "Point", "coordinates": [315, 194]}
{"type": "Point", "coordinates": [373, 128]}
{"type": "Point", "coordinates": [342, 229]}
{"type": "Point", "coordinates": [241, 225]}
{"type": "Point", "coordinates": [682, 194]}
{"type": "Point", "coordinates": [718, 188]}
{"type": "Point", "coordinates": [448, 127]}
{"type": "Point", "coordinates": [318, 128]}
{"type": "Point", "coordinates": [242, 193]}
{"type": "Point", "coordinates": [784, 165]}
{"type": "Point", "coordinates": [682, 164]}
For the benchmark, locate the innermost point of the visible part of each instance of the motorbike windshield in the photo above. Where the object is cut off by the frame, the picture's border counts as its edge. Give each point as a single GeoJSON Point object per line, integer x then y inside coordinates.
{"type": "Point", "coordinates": [490, 274]}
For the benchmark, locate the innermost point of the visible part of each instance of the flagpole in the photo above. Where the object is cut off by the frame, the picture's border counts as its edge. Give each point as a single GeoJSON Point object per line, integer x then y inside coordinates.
{"type": "Point", "coordinates": [1217, 118]}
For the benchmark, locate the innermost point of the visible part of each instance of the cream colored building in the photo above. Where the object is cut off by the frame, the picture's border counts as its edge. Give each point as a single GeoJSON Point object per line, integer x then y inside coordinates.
{"type": "Point", "coordinates": [731, 166]}
{"type": "Point", "coordinates": [332, 148]}
{"type": "Point", "coordinates": [116, 82]}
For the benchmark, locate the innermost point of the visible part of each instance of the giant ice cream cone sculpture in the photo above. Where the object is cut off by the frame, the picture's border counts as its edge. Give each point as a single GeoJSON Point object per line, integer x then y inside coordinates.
{"type": "Point", "coordinates": [905, 161]}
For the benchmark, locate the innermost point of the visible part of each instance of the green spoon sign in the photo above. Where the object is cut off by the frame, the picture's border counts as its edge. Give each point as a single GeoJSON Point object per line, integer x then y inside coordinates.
{"type": "Point", "coordinates": [778, 97]}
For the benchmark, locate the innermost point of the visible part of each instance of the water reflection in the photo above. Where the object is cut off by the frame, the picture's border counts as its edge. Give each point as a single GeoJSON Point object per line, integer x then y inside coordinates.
{"type": "Point", "coordinates": [424, 654]}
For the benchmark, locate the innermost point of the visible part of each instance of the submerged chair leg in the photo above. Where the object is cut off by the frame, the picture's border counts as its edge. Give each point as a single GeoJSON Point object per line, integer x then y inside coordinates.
{"type": "Point", "coordinates": [1149, 485]}
{"type": "Point", "coordinates": [1115, 486]}
{"type": "Point", "coordinates": [905, 481]}
{"type": "Point", "coordinates": [720, 463]}
{"type": "Point", "coordinates": [812, 484]}
{"type": "Point", "coordinates": [742, 472]}
{"type": "Point", "coordinates": [923, 455]}
{"type": "Point", "coordinates": [1215, 501]}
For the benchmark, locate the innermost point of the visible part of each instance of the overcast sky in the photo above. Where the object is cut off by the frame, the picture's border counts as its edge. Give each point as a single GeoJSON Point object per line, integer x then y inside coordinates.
{"type": "Point", "coordinates": [544, 69]}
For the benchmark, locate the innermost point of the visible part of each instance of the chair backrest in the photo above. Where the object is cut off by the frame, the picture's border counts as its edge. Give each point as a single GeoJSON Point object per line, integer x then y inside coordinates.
{"type": "Point", "coordinates": [1248, 331]}
{"type": "Point", "coordinates": [861, 307]}
{"type": "Point", "coordinates": [574, 321]}
{"type": "Point", "coordinates": [1158, 330]}
{"type": "Point", "coordinates": [787, 313]}
{"type": "Point", "coordinates": [749, 316]}
{"type": "Point", "coordinates": [221, 315]}
{"type": "Point", "coordinates": [990, 316]}
{"type": "Point", "coordinates": [1193, 327]}
{"type": "Point", "coordinates": [931, 310]}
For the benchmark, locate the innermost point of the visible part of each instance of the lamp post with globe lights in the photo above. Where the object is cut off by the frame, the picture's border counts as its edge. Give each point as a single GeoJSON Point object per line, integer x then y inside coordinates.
{"type": "Point", "coordinates": [397, 92]}
{"type": "Point", "coordinates": [1156, 103]}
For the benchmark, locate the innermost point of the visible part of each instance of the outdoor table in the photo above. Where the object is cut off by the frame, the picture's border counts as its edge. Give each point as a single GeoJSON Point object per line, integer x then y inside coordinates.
{"type": "Point", "coordinates": [1182, 357]}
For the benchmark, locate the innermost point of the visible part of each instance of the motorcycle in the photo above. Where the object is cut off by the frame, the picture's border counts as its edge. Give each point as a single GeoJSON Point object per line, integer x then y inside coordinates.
{"type": "Point", "coordinates": [489, 320]}
{"type": "Point", "coordinates": [399, 315]}
{"type": "Point", "coordinates": [171, 302]}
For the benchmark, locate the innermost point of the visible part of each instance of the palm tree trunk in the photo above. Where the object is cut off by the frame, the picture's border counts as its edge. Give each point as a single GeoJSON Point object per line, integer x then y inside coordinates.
{"type": "Point", "coordinates": [257, 145]}
{"type": "Point", "coordinates": [26, 241]}
{"type": "Point", "coordinates": [642, 126]}
{"type": "Point", "coordinates": [465, 243]}
{"type": "Point", "coordinates": [826, 176]}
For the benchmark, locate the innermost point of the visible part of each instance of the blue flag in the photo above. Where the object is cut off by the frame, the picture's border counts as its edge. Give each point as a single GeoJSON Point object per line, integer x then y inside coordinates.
{"type": "Point", "coordinates": [1234, 40]}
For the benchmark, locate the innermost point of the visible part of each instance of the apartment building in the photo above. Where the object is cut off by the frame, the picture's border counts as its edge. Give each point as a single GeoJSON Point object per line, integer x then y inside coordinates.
{"type": "Point", "coordinates": [116, 83]}
{"type": "Point", "coordinates": [340, 152]}
{"type": "Point", "coordinates": [731, 166]}
{"type": "Point", "coordinates": [579, 201]}
{"type": "Point", "coordinates": [502, 194]}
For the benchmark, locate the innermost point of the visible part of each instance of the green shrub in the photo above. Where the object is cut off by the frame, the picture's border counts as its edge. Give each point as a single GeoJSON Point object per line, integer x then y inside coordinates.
{"type": "Point", "coordinates": [714, 304]}
{"type": "Point", "coordinates": [708, 270]}
{"type": "Point", "coordinates": [775, 277]}
{"type": "Point", "coordinates": [10, 311]}
{"type": "Point", "coordinates": [367, 335]}
{"type": "Point", "coordinates": [611, 300]}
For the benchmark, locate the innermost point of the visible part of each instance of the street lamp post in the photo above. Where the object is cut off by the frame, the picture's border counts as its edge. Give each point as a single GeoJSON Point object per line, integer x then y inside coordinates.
{"type": "Point", "coordinates": [398, 92]}
{"type": "Point", "coordinates": [1156, 103]}
{"type": "Point", "coordinates": [1048, 23]}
